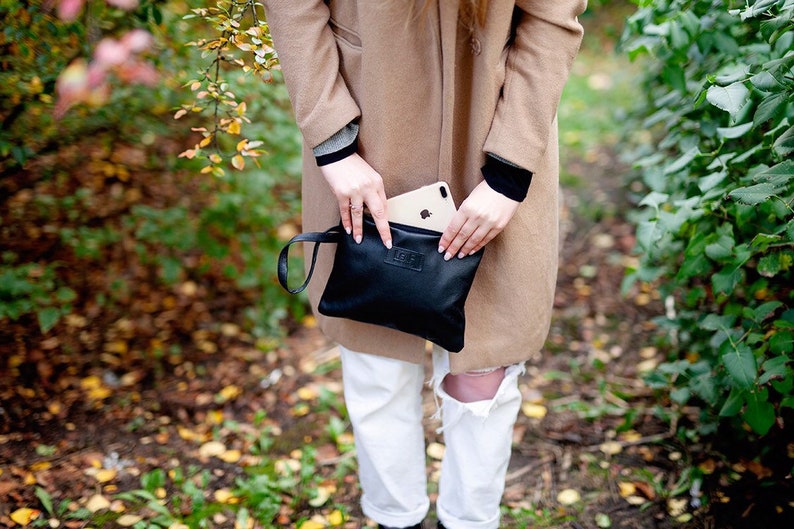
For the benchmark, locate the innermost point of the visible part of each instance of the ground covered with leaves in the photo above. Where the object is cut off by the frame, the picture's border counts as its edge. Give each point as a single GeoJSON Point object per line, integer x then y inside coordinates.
{"type": "Point", "coordinates": [149, 404]}
{"type": "Point", "coordinates": [170, 415]}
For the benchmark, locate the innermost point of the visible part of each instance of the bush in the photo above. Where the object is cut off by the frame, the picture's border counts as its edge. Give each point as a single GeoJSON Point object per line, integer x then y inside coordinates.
{"type": "Point", "coordinates": [714, 218]}
{"type": "Point", "coordinates": [89, 156]}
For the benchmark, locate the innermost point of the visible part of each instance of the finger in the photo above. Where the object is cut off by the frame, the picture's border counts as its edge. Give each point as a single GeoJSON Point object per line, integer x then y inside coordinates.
{"type": "Point", "coordinates": [378, 210]}
{"type": "Point", "coordinates": [475, 240]}
{"type": "Point", "coordinates": [457, 222]}
{"type": "Point", "coordinates": [466, 231]}
{"type": "Point", "coordinates": [344, 213]}
{"type": "Point", "coordinates": [356, 211]}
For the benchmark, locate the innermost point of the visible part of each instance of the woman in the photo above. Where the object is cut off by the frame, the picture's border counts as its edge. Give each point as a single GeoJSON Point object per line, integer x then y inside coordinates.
{"type": "Point", "coordinates": [391, 95]}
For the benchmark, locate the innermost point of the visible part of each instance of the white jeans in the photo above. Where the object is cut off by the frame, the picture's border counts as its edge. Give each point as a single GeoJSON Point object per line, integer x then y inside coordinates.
{"type": "Point", "coordinates": [384, 401]}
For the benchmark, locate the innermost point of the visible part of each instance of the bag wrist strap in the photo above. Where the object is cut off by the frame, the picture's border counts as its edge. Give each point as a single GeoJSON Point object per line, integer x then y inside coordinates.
{"type": "Point", "coordinates": [331, 235]}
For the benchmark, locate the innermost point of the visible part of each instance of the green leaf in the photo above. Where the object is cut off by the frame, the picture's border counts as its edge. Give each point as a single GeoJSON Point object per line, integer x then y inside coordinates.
{"type": "Point", "coordinates": [683, 161]}
{"type": "Point", "coordinates": [648, 233]}
{"type": "Point", "coordinates": [721, 249]}
{"type": "Point", "coordinates": [48, 317]}
{"type": "Point", "coordinates": [765, 81]}
{"type": "Point", "coordinates": [704, 385]}
{"type": "Point", "coordinates": [754, 194]}
{"type": "Point", "coordinates": [716, 322]}
{"type": "Point", "coordinates": [769, 265]}
{"type": "Point", "coordinates": [654, 200]}
{"type": "Point", "coordinates": [731, 133]}
{"type": "Point", "coordinates": [733, 404]}
{"type": "Point", "coordinates": [765, 310]}
{"type": "Point", "coordinates": [776, 367]}
{"type": "Point", "coordinates": [782, 342]}
{"type": "Point", "coordinates": [784, 145]}
{"type": "Point", "coordinates": [770, 107]}
{"type": "Point", "coordinates": [725, 280]}
{"type": "Point", "coordinates": [46, 500]}
{"type": "Point", "coordinates": [694, 265]}
{"type": "Point", "coordinates": [741, 365]}
{"type": "Point", "coordinates": [759, 413]}
{"type": "Point", "coordinates": [729, 98]}
{"type": "Point", "coordinates": [711, 181]}
{"type": "Point", "coordinates": [680, 395]}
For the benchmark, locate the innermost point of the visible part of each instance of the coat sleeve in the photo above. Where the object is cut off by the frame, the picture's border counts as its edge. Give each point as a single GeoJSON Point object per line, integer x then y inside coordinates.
{"type": "Point", "coordinates": [547, 38]}
{"type": "Point", "coordinates": [309, 59]}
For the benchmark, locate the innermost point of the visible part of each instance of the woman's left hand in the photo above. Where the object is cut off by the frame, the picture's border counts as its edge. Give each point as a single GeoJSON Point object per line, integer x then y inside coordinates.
{"type": "Point", "coordinates": [481, 217]}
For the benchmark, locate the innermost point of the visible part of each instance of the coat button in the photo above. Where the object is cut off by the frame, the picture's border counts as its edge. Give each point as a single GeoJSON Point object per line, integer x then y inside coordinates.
{"type": "Point", "coordinates": [476, 46]}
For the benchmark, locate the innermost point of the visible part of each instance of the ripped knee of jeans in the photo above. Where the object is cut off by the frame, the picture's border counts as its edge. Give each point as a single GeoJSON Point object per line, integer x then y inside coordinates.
{"type": "Point", "coordinates": [473, 386]}
{"type": "Point", "coordinates": [506, 388]}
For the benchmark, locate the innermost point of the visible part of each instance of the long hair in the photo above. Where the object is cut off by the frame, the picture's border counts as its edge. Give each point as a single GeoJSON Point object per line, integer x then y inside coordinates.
{"type": "Point", "coordinates": [472, 12]}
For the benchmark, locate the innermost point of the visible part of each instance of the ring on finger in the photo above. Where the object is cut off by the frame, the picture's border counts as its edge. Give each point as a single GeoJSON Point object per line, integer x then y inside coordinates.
{"type": "Point", "coordinates": [356, 208]}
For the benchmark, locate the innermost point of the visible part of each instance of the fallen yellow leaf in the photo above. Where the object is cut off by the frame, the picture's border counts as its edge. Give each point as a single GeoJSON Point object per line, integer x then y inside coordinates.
{"type": "Point", "coordinates": [301, 409]}
{"type": "Point", "coordinates": [128, 520]}
{"type": "Point", "coordinates": [676, 506]}
{"type": "Point", "coordinates": [41, 465]}
{"type": "Point", "coordinates": [436, 451]}
{"type": "Point", "coordinates": [336, 518]}
{"type": "Point", "coordinates": [307, 393]}
{"type": "Point", "coordinates": [106, 474]}
{"type": "Point", "coordinates": [626, 489]}
{"type": "Point", "coordinates": [323, 495]}
{"type": "Point", "coordinates": [97, 502]}
{"type": "Point", "coordinates": [631, 436]}
{"type": "Point", "coordinates": [230, 456]}
{"type": "Point", "coordinates": [186, 433]}
{"type": "Point", "coordinates": [230, 392]}
{"type": "Point", "coordinates": [211, 449]}
{"type": "Point", "coordinates": [25, 515]}
{"type": "Point", "coordinates": [635, 500]}
{"type": "Point", "coordinates": [91, 382]}
{"type": "Point", "coordinates": [534, 411]}
{"type": "Point", "coordinates": [568, 497]}
{"type": "Point", "coordinates": [611, 448]}
{"type": "Point", "coordinates": [223, 496]}
{"type": "Point", "coordinates": [311, 524]}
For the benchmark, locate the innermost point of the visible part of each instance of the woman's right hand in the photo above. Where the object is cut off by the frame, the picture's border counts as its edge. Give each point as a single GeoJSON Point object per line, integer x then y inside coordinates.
{"type": "Point", "coordinates": [356, 184]}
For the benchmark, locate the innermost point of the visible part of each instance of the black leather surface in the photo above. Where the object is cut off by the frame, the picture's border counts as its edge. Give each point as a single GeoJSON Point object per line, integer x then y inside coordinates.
{"type": "Point", "coordinates": [409, 288]}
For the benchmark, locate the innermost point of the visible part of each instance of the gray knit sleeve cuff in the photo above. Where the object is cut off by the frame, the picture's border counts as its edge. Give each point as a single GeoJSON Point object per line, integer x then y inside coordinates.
{"type": "Point", "coordinates": [340, 145]}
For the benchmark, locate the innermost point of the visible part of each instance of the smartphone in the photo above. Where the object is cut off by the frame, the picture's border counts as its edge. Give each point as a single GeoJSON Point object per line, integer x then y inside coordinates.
{"type": "Point", "coordinates": [430, 207]}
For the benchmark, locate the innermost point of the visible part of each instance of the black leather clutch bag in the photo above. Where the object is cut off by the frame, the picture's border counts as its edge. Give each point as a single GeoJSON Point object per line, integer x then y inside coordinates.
{"type": "Point", "coordinates": [409, 287]}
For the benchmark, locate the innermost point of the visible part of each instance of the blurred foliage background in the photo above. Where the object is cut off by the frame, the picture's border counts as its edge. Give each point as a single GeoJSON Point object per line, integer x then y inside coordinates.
{"type": "Point", "coordinates": [149, 175]}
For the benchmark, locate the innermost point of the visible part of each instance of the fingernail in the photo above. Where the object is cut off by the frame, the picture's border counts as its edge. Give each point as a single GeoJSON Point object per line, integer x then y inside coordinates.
{"type": "Point", "coordinates": [461, 255]}
{"type": "Point", "coordinates": [348, 230]}
{"type": "Point", "coordinates": [440, 249]}
{"type": "Point", "coordinates": [358, 239]}
{"type": "Point", "coordinates": [388, 244]}
{"type": "Point", "coordinates": [447, 256]}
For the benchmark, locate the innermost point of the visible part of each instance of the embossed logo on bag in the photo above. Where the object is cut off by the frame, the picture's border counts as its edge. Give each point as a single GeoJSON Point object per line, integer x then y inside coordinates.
{"type": "Point", "coordinates": [405, 258]}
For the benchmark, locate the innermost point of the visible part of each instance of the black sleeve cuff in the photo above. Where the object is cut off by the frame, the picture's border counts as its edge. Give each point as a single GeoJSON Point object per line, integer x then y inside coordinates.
{"type": "Point", "coordinates": [335, 156]}
{"type": "Point", "coordinates": [510, 180]}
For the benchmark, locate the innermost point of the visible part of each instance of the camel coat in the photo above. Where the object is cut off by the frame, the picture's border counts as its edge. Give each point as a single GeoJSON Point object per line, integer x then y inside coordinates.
{"type": "Point", "coordinates": [431, 97]}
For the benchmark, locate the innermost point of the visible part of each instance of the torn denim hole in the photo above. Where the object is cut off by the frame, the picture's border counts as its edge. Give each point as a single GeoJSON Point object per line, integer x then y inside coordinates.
{"type": "Point", "coordinates": [481, 408]}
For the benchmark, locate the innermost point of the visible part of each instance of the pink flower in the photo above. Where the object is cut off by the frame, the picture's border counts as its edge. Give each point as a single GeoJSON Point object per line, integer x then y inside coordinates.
{"type": "Point", "coordinates": [69, 9]}
{"type": "Point", "coordinates": [137, 40]}
{"type": "Point", "coordinates": [138, 72]}
{"type": "Point", "coordinates": [127, 5]}
{"type": "Point", "coordinates": [110, 52]}
{"type": "Point", "coordinates": [80, 83]}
